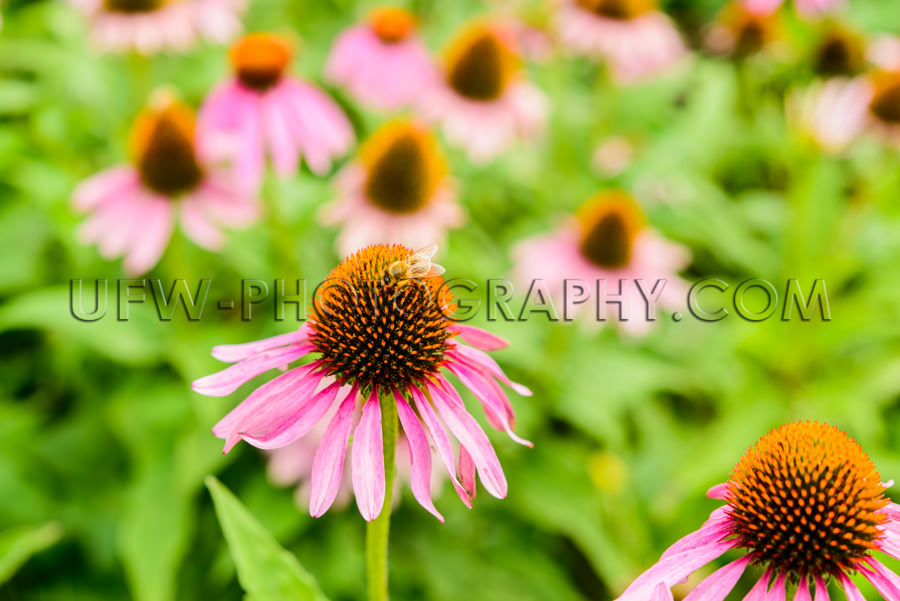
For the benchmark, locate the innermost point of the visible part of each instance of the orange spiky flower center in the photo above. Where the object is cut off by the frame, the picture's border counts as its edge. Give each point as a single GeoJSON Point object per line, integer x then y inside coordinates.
{"type": "Point", "coordinates": [162, 141]}
{"type": "Point", "coordinates": [885, 104]}
{"type": "Point", "coordinates": [841, 52]}
{"type": "Point", "coordinates": [403, 167]}
{"type": "Point", "coordinates": [621, 10]}
{"type": "Point", "coordinates": [609, 224]}
{"type": "Point", "coordinates": [392, 24]}
{"type": "Point", "coordinates": [480, 64]}
{"type": "Point", "coordinates": [259, 59]}
{"type": "Point", "coordinates": [376, 329]}
{"type": "Point", "coordinates": [133, 6]}
{"type": "Point", "coordinates": [806, 500]}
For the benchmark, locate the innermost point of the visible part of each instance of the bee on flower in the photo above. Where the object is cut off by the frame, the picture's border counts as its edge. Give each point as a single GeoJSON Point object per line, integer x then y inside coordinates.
{"type": "Point", "coordinates": [380, 351]}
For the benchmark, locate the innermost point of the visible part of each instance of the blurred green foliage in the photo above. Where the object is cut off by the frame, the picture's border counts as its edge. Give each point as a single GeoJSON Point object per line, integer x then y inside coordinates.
{"type": "Point", "coordinates": [104, 448]}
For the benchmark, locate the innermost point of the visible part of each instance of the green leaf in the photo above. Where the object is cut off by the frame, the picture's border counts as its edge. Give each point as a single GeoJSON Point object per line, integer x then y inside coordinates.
{"type": "Point", "coordinates": [20, 543]}
{"type": "Point", "coordinates": [265, 570]}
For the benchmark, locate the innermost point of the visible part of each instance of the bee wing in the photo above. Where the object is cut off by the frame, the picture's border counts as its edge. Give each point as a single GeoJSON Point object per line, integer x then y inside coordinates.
{"type": "Point", "coordinates": [426, 251]}
{"type": "Point", "coordinates": [435, 270]}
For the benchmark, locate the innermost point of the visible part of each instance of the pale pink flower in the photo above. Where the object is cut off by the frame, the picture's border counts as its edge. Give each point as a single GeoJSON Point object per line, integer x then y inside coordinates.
{"type": "Point", "coordinates": [264, 109]}
{"type": "Point", "coordinates": [150, 26]}
{"type": "Point", "coordinates": [613, 155]}
{"type": "Point", "coordinates": [836, 113]}
{"type": "Point", "coordinates": [633, 37]}
{"type": "Point", "coordinates": [607, 242]}
{"type": "Point", "coordinates": [383, 63]}
{"type": "Point", "coordinates": [133, 207]}
{"type": "Point", "coordinates": [380, 328]}
{"type": "Point", "coordinates": [805, 503]}
{"type": "Point", "coordinates": [398, 190]}
{"type": "Point", "coordinates": [807, 8]}
{"type": "Point", "coordinates": [884, 52]}
{"type": "Point", "coordinates": [483, 102]}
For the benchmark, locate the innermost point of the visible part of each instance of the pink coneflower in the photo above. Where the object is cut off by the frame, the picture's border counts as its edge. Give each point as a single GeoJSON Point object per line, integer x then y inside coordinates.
{"type": "Point", "coordinates": [149, 26]}
{"type": "Point", "coordinates": [398, 190]}
{"type": "Point", "coordinates": [841, 52]}
{"type": "Point", "coordinates": [807, 504]}
{"type": "Point", "coordinates": [633, 37]}
{"type": "Point", "coordinates": [133, 207]}
{"type": "Point", "coordinates": [380, 328]}
{"type": "Point", "coordinates": [483, 101]}
{"type": "Point", "coordinates": [808, 8]}
{"type": "Point", "coordinates": [839, 111]}
{"type": "Point", "coordinates": [607, 241]}
{"type": "Point", "coordinates": [263, 108]}
{"type": "Point", "coordinates": [383, 63]}
{"type": "Point", "coordinates": [741, 33]}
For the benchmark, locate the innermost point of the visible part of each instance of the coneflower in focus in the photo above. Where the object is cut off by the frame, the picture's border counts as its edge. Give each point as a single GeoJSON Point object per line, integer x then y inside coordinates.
{"type": "Point", "coordinates": [381, 340]}
{"type": "Point", "coordinates": [807, 505]}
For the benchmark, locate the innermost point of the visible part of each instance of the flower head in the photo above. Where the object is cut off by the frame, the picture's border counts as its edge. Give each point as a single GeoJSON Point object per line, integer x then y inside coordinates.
{"type": "Point", "coordinates": [741, 32]}
{"type": "Point", "coordinates": [153, 25]}
{"type": "Point", "coordinates": [265, 109]}
{"type": "Point", "coordinates": [807, 504]}
{"type": "Point", "coordinates": [484, 102]}
{"type": "Point", "coordinates": [380, 332]}
{"type": "Point", "coordinates": [634, 37]}
{"type": "Point", "coordinates": [398, 189]}
{"type": "Point", "coordinates": [840, 52]}
{"type": "Point", "coordinates": [607, 240]}
{"type": "Point", "coordinates": [383, 62]}
{"type": "Point", "coordinates": [133, 207]}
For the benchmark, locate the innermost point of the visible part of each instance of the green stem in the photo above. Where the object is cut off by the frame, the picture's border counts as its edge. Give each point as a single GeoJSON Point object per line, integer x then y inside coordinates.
{"type": "Point", "coordinates": [377, 530]}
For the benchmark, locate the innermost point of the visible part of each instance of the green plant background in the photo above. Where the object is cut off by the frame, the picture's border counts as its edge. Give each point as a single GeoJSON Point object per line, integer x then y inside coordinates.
{"type": "Point", "coordinates": [104, 448]}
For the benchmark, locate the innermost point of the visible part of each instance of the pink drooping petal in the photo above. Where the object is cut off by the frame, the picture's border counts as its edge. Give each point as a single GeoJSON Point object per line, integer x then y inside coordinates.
{"type": "Point", "coordinates": [481, 339]}
{"type": "Point", "coordinates": [419, 456]}
{"type": "Point", "coordinates": [803, 590]}
{"type": "Point", "coordinates": [225, 204]}
{"type": "Point", "coordinates": [198, 226]}
{"type": "Point", "coordinates": [482, 360]}
{"type": "Point", "coordinates": [850, 589]}
{"type": "Point", "coordinates": [284, 422]}
{"type": "Point", "coordinates": [368, 461]}
{"type": "Point", "coordinates": [148, 247]}
{"type": "Point", "coordinates": [328, 464]}
{"type": "Point", "coordinates": [466, 470]}
{"type": "Point", "coordinates": [761, 588]}
{"type": "Point", "coordinates": [494, 401]}
{"type": "Point", "coordinates": [440, 439]}
{"type": "Point", "coordinates": [778, 592]}
{"type": "Point", "coordinates": [250, 159]}
{"type": "Point", "coordinates": [661, 593]}
{"type": "Point", "coordinates": [717, 586]}
{"type": "Point", "coordinates": [231, 353]}
{"type": "Point", "coordinates": [285, 152]}
{"type": "Point", "coordinates": [233, 377]}
{"type": "Point", "coordinates": [471, 436]}
{"type": "Point", "coordinates": [300, 382]}
{"type": "Point", "coordinates": [714, 530]}
{"type": "Point", "coordinates": [674, 568]}
{"type": "Point", "coordinates": [821, 590]}
{"type": "Point", "coordinates": [886, 582]}
{"type": "Point", "coordinates": [718, 491]}
{"type": "Point", "coordinates": [106, 185]}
